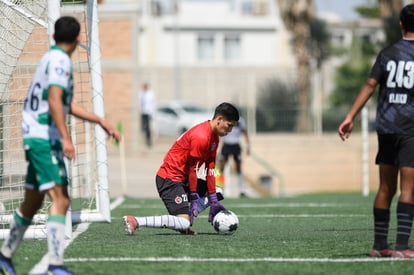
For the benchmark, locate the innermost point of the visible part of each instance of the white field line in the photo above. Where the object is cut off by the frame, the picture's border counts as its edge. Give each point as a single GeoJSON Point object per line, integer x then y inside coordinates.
{"type": "Point", "coordinates": [273, 205]}
{"type": "Point", "coordinates": [265, 205]}
{"type": "Point", "coordinates": [41, 267]}
{"type": "Point", "coordinates": [235, 260]}
{"type": "Point", "coordinates": [302, 216]}
{"type": "Point", "coordinates": [275, 216]}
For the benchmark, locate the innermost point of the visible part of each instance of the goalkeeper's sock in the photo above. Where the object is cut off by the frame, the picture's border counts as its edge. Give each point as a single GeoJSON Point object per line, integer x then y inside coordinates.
{"type": "Point", "coordinates": [55, 227]}
{"type": "Point", "coordinates": [164, 221]}
{"type": "Point", "coordinates": [381, 224]}
{"type": "Point", "coordinates": [404, 224]}
{"type": "Point", "coordinates": [18, 227]}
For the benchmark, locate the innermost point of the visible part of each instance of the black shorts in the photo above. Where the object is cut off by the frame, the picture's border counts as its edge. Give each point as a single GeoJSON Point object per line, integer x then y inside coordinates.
{"type": "Point", "coordinates": [231, 150]}
{"type": "Point", "coordinates": [174, 195]}
{"type": "Point", "coordinates": [397, 150]}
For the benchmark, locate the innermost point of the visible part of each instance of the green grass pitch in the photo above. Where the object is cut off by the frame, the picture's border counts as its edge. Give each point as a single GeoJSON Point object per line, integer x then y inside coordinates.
{"type": "Point", "coordinates": [307, 234]}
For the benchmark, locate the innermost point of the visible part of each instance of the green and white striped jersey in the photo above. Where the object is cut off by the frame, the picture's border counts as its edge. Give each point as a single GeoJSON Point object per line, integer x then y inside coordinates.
{"type": "Point", "coordinates": [55, 69]}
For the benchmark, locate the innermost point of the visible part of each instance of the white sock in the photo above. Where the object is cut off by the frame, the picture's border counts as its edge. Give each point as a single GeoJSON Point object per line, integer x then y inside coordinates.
{"type": "Point", "coordinates": [55, 240]}
{"type": "Point", "coordinates": [165, 221]}
{"type": "Point", "coordinates": [241, 182]}
{"type": "Point", "coordinates": [16, 233]}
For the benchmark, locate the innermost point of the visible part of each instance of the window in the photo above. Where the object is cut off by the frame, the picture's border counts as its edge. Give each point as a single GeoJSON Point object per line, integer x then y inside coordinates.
{"type": "Point", "coordinates": [232, 47]}
{"type": "Point", "coordinates": [205, 47]}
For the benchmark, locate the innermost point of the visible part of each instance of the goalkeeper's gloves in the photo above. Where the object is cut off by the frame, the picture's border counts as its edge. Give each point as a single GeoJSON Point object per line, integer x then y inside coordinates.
{"type": "Point", "coordinates": [203, 202]}
{"type": "Point", "coordinates": [215, 206]}
{"type": "Point", "coordinates": [194, 198]}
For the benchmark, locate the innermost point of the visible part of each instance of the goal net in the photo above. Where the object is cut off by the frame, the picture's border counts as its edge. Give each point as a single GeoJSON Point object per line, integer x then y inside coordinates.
{"type": "Point", "coordinates": [26, 27]}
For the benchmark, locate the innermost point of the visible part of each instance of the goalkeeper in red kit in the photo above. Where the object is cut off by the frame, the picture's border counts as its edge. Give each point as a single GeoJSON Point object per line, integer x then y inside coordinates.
{"type": "Point", "coordinates": [177, 178]}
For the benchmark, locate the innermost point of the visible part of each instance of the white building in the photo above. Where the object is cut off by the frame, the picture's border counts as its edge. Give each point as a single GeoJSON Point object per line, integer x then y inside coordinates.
{"type": "Point", "coordinates": [206, 51]}
{"type": "Point", "coordinates": [212, 33]}
{"type": "Point", "coordinates": [209, 51]}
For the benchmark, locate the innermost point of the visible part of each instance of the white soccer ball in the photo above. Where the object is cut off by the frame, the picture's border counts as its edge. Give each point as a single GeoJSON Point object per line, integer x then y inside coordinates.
{"type": "Point", "coordinates": [226, 222]}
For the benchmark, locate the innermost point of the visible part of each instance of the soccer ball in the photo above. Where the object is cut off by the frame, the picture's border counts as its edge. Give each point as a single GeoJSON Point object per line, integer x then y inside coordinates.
{"type": "Point", "coordinates": [226, 222]}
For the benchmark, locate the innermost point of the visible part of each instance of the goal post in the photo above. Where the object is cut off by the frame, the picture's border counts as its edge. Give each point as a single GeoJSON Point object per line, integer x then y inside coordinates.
{"type": "Point", "coordinates": [102, 196]}
{"type": "Point", "coordinates": [26, 28]}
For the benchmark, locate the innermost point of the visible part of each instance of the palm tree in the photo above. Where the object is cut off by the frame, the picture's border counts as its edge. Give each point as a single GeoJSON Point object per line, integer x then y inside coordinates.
{"type": "Point", "coordinates": [390, 8]}
{"type": "Point", "coordinates": [389, 11]}
{"type": "Point", "coordinates": [297, 16]}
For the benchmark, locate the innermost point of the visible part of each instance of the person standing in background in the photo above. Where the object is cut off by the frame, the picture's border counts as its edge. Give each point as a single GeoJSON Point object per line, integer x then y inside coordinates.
{"type": "Point", "coordinates": [231, 147]}
{"type": "Point", "coordinates": [147, 107]}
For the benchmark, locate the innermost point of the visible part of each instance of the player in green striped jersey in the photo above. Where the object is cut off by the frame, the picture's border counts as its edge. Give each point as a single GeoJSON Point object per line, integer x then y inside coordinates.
{"type": "Point", "coordinates": [47, 141]}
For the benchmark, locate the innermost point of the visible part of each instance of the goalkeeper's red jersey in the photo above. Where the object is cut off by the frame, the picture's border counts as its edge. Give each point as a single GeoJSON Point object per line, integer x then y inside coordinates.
{"type": "Point", "coordinates": [196, 146]}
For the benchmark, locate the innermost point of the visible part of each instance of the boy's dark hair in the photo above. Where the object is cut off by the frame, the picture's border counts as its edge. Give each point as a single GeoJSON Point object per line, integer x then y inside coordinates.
{"type": "Point", "coordinates": [407, 18]}
{"type": "Point", "coordinates": [228, 111]}
{"type": "Point", "coordinates": [67, 29]}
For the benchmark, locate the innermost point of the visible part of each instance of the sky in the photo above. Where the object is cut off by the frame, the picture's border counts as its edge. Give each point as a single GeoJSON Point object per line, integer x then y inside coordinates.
{"type": "Point", "coordinates": [343, 9]}
{"type": "Point", "coordinates": [340, 8]}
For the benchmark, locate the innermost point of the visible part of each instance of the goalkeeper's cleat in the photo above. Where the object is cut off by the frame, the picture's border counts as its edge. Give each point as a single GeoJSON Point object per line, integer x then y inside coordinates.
{"type": "Point", "coordinates": [131, 224]}
{"type": "Point", "coordinates": [387, 252]}
{"type": "Point", "coordinates": [187, 232]}
{"type": "Point", "coordinates": [58, 270]}
{"type": "Point", "coordinates": [407, 253]}
{"type": "Point", "coordinates": [6, 266]}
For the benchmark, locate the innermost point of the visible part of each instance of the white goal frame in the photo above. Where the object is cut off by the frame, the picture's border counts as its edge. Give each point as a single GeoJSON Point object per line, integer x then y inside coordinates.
{"type": "Point", "coordinates": [100, 211]}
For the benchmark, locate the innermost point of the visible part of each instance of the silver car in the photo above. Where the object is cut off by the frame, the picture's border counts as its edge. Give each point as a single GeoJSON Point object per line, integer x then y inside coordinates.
{"type": "Point", "coordinates": [176, 117]}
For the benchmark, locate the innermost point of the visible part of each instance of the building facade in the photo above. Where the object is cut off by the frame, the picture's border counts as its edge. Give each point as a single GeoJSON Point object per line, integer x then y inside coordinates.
{"type": "Point", "coordinates": [205, 52]}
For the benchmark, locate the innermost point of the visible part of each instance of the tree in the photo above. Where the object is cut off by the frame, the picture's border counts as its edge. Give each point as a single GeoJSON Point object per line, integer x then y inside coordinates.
{"type": "Point", "coordinates": [297, 16]}
{"type": "Point", "coordinates": [349, 79]}
{"type": "Point", "coordinates": [319, 42]}
{"type": "Point", "coordinates": [389, 11]}
{"type": "Point", "coordinates": [278, 106]}
{"type": "Point", "coordinates": [361, 53]}
{"type": "Point", "coordinates": [360, 59]}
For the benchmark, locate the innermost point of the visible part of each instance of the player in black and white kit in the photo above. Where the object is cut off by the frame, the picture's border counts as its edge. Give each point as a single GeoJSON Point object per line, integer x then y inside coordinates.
{"type": "Point", "coordinates": [394, 72]}
{"type": "Point", "coordinates": [231, 147]}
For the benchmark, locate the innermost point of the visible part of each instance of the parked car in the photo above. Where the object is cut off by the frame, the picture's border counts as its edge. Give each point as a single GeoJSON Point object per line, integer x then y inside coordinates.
{"type": "Point", "coordinates": [174, 118]}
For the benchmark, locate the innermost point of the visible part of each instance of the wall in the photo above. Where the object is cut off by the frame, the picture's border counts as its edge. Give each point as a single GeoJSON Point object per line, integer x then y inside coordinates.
{"type": "Point", "coordinates": [311, 163]}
